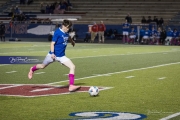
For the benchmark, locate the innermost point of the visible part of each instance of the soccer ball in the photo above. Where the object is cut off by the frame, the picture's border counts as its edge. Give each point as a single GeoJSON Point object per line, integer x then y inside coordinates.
{"type": "Point", "coordinates": [93, 91]}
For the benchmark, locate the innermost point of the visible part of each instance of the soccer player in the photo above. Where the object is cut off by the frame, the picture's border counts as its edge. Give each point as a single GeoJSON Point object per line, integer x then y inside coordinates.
{"type": "Point", "coordinates": [153, 33]}
{"type": "Point", "coordinates": [146, 36]}
{"type": "Point", "coordinates": [125, 31]}
{"type": "Point", "coordinates": [175, 37]}
{"type": "Point", "coordinates": [158, 35]}
{"type": "Point", "coordinates": [101, 29]}
{"type": "Point", "coordinates": [132, 35]}
{"type": "Point", "coordinates": [57, 53]}
{"type": "Point", "coordinates": [2, 31]}
{"type": "Point", "coordinates": [169, 34]}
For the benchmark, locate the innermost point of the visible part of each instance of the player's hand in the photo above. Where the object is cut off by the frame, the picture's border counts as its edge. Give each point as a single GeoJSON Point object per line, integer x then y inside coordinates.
{"type": "Point", "coordinates": [73, 43]}
{"type": "Point", "coordinates": [53, 56]}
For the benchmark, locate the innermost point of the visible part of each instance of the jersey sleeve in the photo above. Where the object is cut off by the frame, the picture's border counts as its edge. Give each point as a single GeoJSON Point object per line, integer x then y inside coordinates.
{"type": "Point", "coordinates": [55, 37]}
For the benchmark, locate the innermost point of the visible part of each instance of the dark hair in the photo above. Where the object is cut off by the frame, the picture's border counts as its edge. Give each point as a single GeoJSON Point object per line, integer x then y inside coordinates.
{"type": "Point", "coordinates": [67, 23]}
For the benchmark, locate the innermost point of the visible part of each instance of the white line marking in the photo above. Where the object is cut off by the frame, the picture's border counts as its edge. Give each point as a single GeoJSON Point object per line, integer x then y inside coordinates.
{"type": "Point", "coordinates": [9, 86]}
{"type": "Point", "coordinates": [11, 72]}
{"type": "Point", "coordinates": [171, 116]}
{"type": "Point", "coordinates": [39, 73]}
{"type": "Point", "coordinates": [117, 72]}
{"type": "Point", "coordinates": [123, 54]}
{"type": "Point", "coordinates": [161, 78]}
{"type": "Point", "coordinates": [4, 64]}
{"type": "Point", "coordinates": [38, 90]}
{"type": "Point", "coordinates": [129, 77]}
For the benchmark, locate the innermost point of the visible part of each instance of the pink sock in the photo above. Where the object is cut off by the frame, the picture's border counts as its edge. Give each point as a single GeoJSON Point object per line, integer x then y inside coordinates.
{"type": "Point", "coordinates": [71, 79]}
{"type": "Point", "coordinates": [34, 68]}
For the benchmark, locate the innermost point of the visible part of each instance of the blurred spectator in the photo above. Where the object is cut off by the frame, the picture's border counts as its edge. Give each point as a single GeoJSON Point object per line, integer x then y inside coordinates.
{"type": "Point", "coordinates": [52, 7]}
{"type": "Point", "coordinates": [29, 2]}
{"type": "Point", "coordinates": [17, 10]}
{"type": "Point", "coordinates": [12, 9]}
{"type": "Point", "coordinates": [94, 31]}
{"type": "Point", "coordinates": [156, 20]}
{"type": "Point", "coordinates": [128, 18]}
{"type": "Point", "coordinates": [57, 9]}
{"type": "Point", "coordinates": [42, 8]}
{"type": "Point", "coordinates": [143, 20]}
{"type": "Point", "coordinates": [162, 36]}
{"type": "Point", "coordinates": [101, 29]}
{"type": "Point", "coordinates": [22, 1]}
{"type": "Point", "coordinates": [69, 4]}
{"type": "Point", "coordinates": [149, 20]}
{"type": "Point", "coordinates": [47, 8]}
{"type": "Point", "coordinates": [161, 22]}
{"type": "Point", "coordinates": [2, 31]}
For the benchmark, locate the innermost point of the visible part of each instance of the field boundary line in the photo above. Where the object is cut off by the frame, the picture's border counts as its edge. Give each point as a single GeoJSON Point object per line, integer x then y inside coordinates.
{"type": "Point", "coordinates": [171, 116]}
{"type": "Point", "coordinates": [99, 75]}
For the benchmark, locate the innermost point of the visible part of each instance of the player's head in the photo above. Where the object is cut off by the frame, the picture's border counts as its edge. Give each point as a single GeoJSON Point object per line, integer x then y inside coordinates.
{"type": "Point", "coordinates": [66, 25]}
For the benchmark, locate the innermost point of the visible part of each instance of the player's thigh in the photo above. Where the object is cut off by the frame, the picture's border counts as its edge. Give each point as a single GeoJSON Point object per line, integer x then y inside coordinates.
{"type": "Point", "coordinates": [65, 61]}
{"type": "Point", "coordinates": [48, 60]}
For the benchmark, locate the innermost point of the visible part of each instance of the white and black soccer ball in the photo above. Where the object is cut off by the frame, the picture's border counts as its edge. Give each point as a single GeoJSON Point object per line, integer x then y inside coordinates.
{"type": "Point", "coordinates": [93, 91]}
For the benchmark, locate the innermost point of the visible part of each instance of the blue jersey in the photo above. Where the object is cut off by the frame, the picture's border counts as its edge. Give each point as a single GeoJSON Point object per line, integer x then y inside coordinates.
{"type": "Point", "coordinates": [126, 27]}
{"type": "Point", "coordinates": [147, 33]}
{"type": "Point", "coordinates": [175, 34]}
{"type": "Point", "coordinates": [158, 34]}
{"type": "Point", "coordinates": [169, 33]}
{"type": "Point", "coordinates": [142, 32]}
{"type": "Point", "coordinates": [153, 33]}
{"type": "Point", "coordinates": [132, 32]}
{"type": "Point", "coordinates": [60, 38]}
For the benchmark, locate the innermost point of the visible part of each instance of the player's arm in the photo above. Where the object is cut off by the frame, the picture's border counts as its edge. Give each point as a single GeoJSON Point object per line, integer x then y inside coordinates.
{"type": "Point", "coordinates": [71, 35]}
{"type": "Point", "coordinates": [72, 41]}
{"type": "Point", "coordinates": [52, 50]}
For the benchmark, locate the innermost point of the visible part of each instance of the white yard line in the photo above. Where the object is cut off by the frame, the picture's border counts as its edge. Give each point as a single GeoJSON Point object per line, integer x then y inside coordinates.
{"type": "Point", "coordinates": [99, 75]}
{"type": "Point", "coordinates": [129, 77]}
{"type": "Point", "coordinates": [171, 116]}
{"type": "Point", "coordinates": [39, 73]}
{"type": "Point", "coordinates": [11, 72]}
{"type": "Point", "coordinates": [161, 78]}
{"type": "Point", "coordinates": [4, 64]}
{"type": "Point", "coordinates": [1, 88]}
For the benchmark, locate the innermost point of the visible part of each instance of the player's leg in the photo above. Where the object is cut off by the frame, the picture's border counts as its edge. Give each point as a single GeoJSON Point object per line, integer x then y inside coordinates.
{"type": "Point", "coordinates": [45, 63]}
{"type": "Point", "coordinates": [68, 63]}
{"type": "Point", "coordinates": [127, 36]}
{"type": "Point", "coordinates": [99, 35]}
{"type": "Point", "coordinates": [103, 37]}
{"type": "Point", "coordinates": [124, 37]}
{"type": "Point", "coordinates": [3, 37]}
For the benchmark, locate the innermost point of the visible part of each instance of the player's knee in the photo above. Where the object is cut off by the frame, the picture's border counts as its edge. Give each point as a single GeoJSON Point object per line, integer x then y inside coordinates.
{"type": "Point", "coordinates": [72, 67]}
{"type": "Point", "coordinates": [42, 66]}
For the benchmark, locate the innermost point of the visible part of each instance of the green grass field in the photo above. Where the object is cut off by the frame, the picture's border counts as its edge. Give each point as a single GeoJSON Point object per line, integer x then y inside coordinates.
{"type": "Point", "coordinates": [143, 82]}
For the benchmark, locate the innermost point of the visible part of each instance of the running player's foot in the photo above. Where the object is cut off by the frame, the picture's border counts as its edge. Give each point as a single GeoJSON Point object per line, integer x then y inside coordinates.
{"type": "Point", "coordinates": [30, 73]}
{"type": "Point", "coordinates": [73, 88]}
